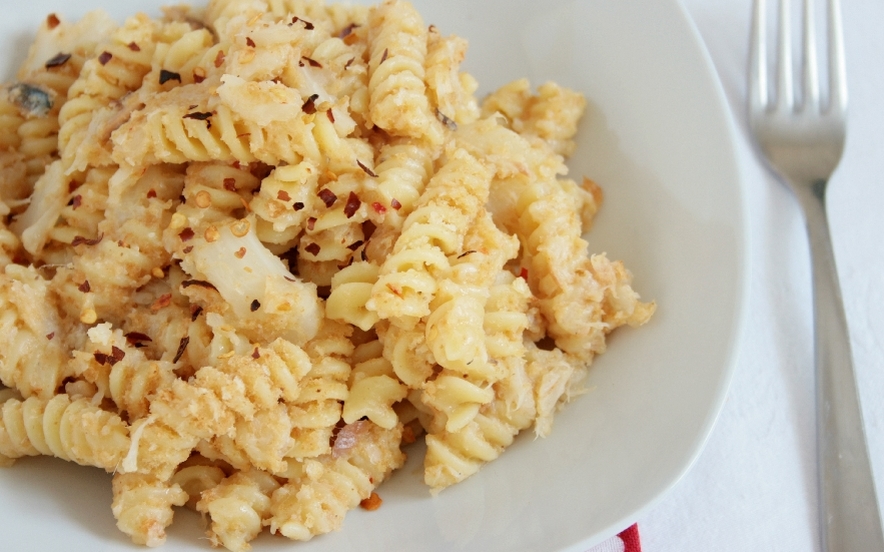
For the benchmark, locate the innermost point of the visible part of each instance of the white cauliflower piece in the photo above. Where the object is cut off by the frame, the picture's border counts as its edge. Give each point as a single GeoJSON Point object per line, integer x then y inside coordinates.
{"type": "Point", "coordinates": [267, 300]}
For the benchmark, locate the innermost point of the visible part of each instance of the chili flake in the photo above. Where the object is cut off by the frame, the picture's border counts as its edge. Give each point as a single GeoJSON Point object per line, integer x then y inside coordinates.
{"type": "Point", "coordinates": [353, 204]}
{"type": "Point", "coordinates": [327, 196]}
{"type": "Point", "coordinates": [187, 234]}
{"type": "Point", "coordinates": [105, 57]}
{"type": "Point", "coordinates": [368, 171]}
{"type": "Point", "coordinates": [255, 305]}
{"type": "Point", "coordinates": [309, 106]}
{"type": "Point", "coordinates": [166, 76]}
{"type": "Point", "coordinates": [80, 240]}
{"type": "Point", "coordinates": [182, 346]}
{"type": "Point", "coordinates": [58, 60]}
{"type": "Point", "coordinates": [201, 116]}
{"type": "Point", "coordinates": [195, 311]}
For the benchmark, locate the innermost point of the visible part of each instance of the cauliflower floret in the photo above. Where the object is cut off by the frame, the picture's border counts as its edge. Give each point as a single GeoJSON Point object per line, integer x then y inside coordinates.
{"type": "Point", "coordinates": [266, 299]}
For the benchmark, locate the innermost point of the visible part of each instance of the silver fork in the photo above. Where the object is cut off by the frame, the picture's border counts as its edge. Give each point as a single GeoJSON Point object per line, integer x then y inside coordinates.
{"type": "Point", "coordinates": [802, 142]}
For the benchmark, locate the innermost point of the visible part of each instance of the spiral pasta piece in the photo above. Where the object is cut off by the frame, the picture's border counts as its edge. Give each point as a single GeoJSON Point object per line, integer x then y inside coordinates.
{"type": "Point", "coordinates": [404, 167]}
{"type": "Point", "coordinates": [142, 506]}
{"type": "Point", "coordinates": [435, 229]}
{"type": "Point", "coordinates": [73, 430]}
{"type": "Point", "coordinates": [398, 93]}
{"type": "Point", "coordinates": [93, 108]}
{"type": "Point", "coordinates": [321, 492]}
{"type": "Point", "coordinates": [374, 388]}
{"type": "Point", "coordinates": [583, 298]}
{"type": "Point", "coordinates": [238, 507]}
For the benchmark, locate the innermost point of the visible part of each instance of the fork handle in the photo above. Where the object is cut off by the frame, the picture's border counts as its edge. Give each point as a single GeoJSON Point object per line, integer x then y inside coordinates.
{"type": "Point", "coordinates": [850, 517]}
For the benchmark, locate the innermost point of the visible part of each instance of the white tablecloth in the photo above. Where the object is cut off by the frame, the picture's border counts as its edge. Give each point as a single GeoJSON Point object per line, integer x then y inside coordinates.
{"type": "Point", "coordinates": [754, 485]}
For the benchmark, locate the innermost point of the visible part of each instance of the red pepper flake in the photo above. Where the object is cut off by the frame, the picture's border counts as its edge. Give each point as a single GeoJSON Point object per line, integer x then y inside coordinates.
{"type": "Point", "coordinates": [151, 193]}
{"type": "Point", "coordinates": [311, 223]}
{"type": "Point", "coordinates": [523, 274]}
{"type": "Point", "coordinates": [349, 63]}
{"type": "Point", "coordinates": [49, 336]}
{"type": "Point", "coordinates": [85, 287]}
{"type": "Point", "coordinates": [283, 195]}
{"type": "Point", "coordinates": [447, 121]}
{"type": "Point", "coordinates": [256, 354]}
{"type": "Point", "coordinates": [368, 171]}
{"type": "Point", "coordinates": [307, 25]}
{"type": "Point", "coordinates": [52, 21]}
{"type": "Point", "coordinates": [394, 203]}
{"type": "Point", "coordinates": [117, 355]}
{"type": "Point", "coordinates": [195, 311]}
{"type": "Point", "coordinates": [134, 47]}
{"type": "Point", "coordinates": [200, 283]}
{"type": "Point", "coordinates": [312, 62]}
{"type": "Point", "coordinates": [348, 30]}
{"type": "Point", "coordinates": [100, 358]}
{"type": "Point", "coordinates": [105, 57]}
{"type": "Point", "coordinates": [166, 76]}
{"type": "Point", "coordinates": [384, 57]}
{"type": "Point", "coordinates": [187, 234]}
{"type": "Point", "coordinates": [255, 305]}
{"type": "Point", "coordinates": [378, 208]}
{"type": "Point", "coordinates": [80, 240]}
{"type": "Point", "coordinates": [188, 249]}
{"type": "Point", "coordinates": [137, 339]}
{"type": "Point", "coordinates": [309, 106]}
{"type": "Point", "coordinates": [162, 302]}
{"type": "Point", "coordinates": [353, 204]}
{"type": "Point", "coordinates": [313, 249]}
{"type": "Point", "coordinates": [182, 346]}
{"type": "Point", "coordinates": [331, 116]}
{"type": "Point", "coordinates": [327, 196]}
{"type": "Point", "coordinates": [76, 201]}
{"type": "Point", "coordinates": [240, 253]}
{"type": "Point", "coordinates": [201, 116]}
{"type": "Point", "coordinates": [249, 42]}
{"type": "Point", "coordinates": [58, 60]}
{"type": "Point", "coordinates": [230, 184]}
{"type": "Point", "coordinates": [219, 59]}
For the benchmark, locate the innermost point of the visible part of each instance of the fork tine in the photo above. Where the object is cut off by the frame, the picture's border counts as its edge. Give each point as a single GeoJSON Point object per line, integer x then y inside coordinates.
{"type": "Point", "coordinates": [837, 71]}
{"type": "Point", "coordinates": [758, 60]}
{"type": "Point", "coordinates": [811, 71]}
{"type": "Point", "coordinates": [785, 97]}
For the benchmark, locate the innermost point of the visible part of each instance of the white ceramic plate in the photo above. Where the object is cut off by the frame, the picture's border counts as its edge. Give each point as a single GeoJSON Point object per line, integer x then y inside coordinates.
{"type": "Point", "coordinates": [659, 140]}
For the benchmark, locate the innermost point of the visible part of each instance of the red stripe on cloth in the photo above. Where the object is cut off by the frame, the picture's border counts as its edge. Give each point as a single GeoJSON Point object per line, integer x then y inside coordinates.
{"type": "Point", "coordinates": [631, 539]}
{"type": "Point", "coordinates": [625, 541]}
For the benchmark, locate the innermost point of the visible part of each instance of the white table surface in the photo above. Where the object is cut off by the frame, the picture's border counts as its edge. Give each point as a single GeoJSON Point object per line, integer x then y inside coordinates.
{"type": "Point", "coordinates": [754, 485]}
